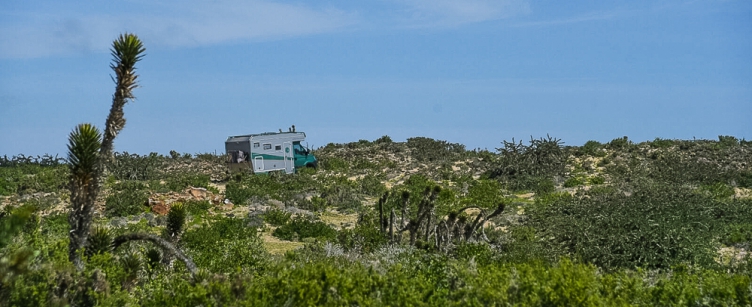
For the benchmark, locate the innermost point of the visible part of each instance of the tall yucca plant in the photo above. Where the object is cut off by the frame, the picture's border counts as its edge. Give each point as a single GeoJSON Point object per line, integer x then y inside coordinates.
{"type": "Point", "coordinates": [127, 50]}
{"type": "Point", "coordinates": [83, 159]}
{"type": "Point", "coordinates": [88, 150]}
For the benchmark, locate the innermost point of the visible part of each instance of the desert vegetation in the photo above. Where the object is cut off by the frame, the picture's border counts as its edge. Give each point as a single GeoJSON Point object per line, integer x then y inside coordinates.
{"type": "Point", "coordinates": [380, 223]}
{"type": "Point", "coordinates": [666, 222]}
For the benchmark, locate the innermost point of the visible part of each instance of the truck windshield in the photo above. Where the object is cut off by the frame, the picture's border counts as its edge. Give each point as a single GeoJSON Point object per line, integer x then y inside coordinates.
{"type": "Point", "coordinates": [299, 150]}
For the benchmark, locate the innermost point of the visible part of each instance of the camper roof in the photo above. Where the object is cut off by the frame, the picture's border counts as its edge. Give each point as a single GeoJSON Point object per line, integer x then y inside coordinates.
{"type": "Point", "coordinates": [295, 136]}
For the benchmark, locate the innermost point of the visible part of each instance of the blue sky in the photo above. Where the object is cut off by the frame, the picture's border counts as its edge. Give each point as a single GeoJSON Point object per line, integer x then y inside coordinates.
{"type": "Point", "coordinates": [468, 71]}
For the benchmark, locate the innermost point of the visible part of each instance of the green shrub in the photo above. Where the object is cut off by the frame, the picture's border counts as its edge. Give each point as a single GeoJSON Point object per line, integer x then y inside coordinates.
{"type": "Point", "coordinates": [593, 149]}
{"type": "Point", "coordinates": [620, 143]}
{"type": "Point", "coordinates": [658, 226]}
{"type": "Point", "coordinates": [530, 167]}
{"type": "Point", "coordinates": [197, 207]}
{"type": "Point", "coordinates": [738, 233]}
{"type": "Point", "coordinates": [125, 166]}
{"type": "Point", "coordinates": [277, 217]}
{"type": "Point", "coordinates": [300, 228]}
{"type": "Point", "coordinates": [371, 185]}
{"type": "Point", "coordinates": [726, 141]}
{"type": "Point", "coordinates": [484, 194]}
{"type": "Point", "coordinates": [574, 181]}
{"type": "Point", "coordinates": [481, 253]}
{"type": "Point", "coordinates": [225, 245]}
{"type": "Point", "coordinates": [342, 193]}
{"type": "Point", "coordinates": [661, 143]}
{"type": "Point", "coordinates": [383, 140]}
{"type": "Point", "coordinates": [718, 190]}
{"type": "Point", "coordinates": [429, 150]}
{"type": "Point", "coordinates": [596, 180]}
{"type": "Point", "coordinates": [334, 164]}
{"type": "Point", "coordinates": [127, 198]}
{"type": "Point", "coordinates": [31, 178]}
{"type": "Point", "coordinates": [542, 186]}
{"type": "Point", "coordinates": [181, 182]}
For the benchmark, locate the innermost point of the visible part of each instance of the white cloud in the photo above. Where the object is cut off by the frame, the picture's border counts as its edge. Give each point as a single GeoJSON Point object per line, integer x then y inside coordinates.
{"type": "Point", "coordinates": [162, 23]}
{"type": "Point", "coordinates": [88, 26]}
{"type": "Point", "coordinates": [571, 20]}
{"type": "Point", "coordinates": [448, 13]}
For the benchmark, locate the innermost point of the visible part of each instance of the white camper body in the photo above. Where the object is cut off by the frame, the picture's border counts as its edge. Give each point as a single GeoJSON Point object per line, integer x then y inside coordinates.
{"type": "Point", "coordinates": [264, 152]}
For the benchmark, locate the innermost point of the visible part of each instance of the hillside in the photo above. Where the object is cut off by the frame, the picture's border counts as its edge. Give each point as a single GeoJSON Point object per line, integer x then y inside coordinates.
{"type": "Point", "coordinates": [421, 222]}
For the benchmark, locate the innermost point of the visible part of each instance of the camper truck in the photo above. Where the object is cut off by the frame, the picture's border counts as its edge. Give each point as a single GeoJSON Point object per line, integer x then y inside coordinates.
{"type": "Point", "coordinates": [270, 151]}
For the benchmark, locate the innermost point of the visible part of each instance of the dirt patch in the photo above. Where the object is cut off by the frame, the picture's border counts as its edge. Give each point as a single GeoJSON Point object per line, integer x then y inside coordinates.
{"type": "Point", "coordinates": [275, 246]}
{"type": "Point", "coordinates": [221, 187]}
{"type": "Point", "coordinates": [731, 255]}
{"type": "Point", "coordinates": [339, 220]}
{"type": "Point", "coordinates": [742, 193]}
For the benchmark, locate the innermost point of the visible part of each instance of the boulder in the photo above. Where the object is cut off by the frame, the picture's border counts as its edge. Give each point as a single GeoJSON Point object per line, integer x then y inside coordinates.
{"type": "Point", "coordinates": [159, 207]}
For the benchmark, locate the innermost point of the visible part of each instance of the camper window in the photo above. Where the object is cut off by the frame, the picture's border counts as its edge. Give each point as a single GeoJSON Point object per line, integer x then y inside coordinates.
{"type": "Point", "coordinates": [267, 146]}
{"type": "Point", "coordinates": [277, 147]}
{"type": "Point", "coordinates": [256, 145]}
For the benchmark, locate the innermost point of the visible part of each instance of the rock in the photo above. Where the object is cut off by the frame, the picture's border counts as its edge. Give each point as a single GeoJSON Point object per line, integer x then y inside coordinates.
{"type": "Point", "coordinates": [150, 219]}
{"type": "Point", "coordinates": [118, 222]}
{"type": "Point", "coordinates": [255, 221]}
{"type": "Point", "coordinates": [294, 210]}
{"type": "Point", "coordinates": [276, 203]}
{"type": "Point", "coordinates": [198, 193]}
{"type": "Point", "coordinates": [159, 207]}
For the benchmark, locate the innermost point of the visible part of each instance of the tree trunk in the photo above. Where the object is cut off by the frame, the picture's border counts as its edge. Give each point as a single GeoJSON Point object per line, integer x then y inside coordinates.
{"type": "Point", "coordinates": [166, 246]}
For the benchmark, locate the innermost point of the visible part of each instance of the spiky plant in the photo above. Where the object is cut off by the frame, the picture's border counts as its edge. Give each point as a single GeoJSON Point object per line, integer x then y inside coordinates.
{"type": "Point", "coordinates": [126, 51]}
{"type": "Point", "coordinates": [89, 151]}
{"type": "Point", "coordinates": [83, 156]}
{"type": "Point", "coordinates": [175, 221]}
{"type": "Point", "coordinates": [100, 241]}
{"type": "Point", "coordinates": [131, 263]}
{"type": "Point", "coordinates": [153, 256]}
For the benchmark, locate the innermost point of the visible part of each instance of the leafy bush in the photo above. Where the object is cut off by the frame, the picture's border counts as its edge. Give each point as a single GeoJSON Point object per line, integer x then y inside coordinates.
{"type": "Point", "coordinates": [719, 190]}
{"type": "Point", "coordinates": [430, 150]}
{"type": "Point", "coordinates": [127, 166]}
{"type": "Point", "coordinates": [484, 194]}
{"type": "Point", "coordinates": [277, 217]}
{"type": "Point", "coordinates": [371, 185]}
{"type": "Point", "coordinates": [656, 227]}
{"type": "Point", "coordinates": [738, 233]}
{"type": "Point", "coordinates": [197, 207]}
{"type": "Point", "coordinates": [225, 245]}
{"type": "Point", "coordinates": [620, 143]}
{"type": "Point", "coordinates": [596, 180]}
{"type": "Point", "coordinates": [304, 227]}
{"type": "Point", "coordinates": [529, 167]}
{"type": "Point", "coordinates": [383, 140]}
{"type": "Point", "coordinates": [127, 198]}
{"type": "Point", "coordinates": [662, 143]}
{"type": "Point", "coordinates": [342, 193]}
{"type": "Point", "coordinates": [180, 182]}
{"type": "Point", "coordinates": [725, 141]}
{"type": "Point", "coordinates": [31, 178]}
{"type": "Point", "coordinates": [593, 149]}
{"type": "Point", "coordinates": [334, 164]}
{"type": "Point", "coordinates": [574, 181]}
